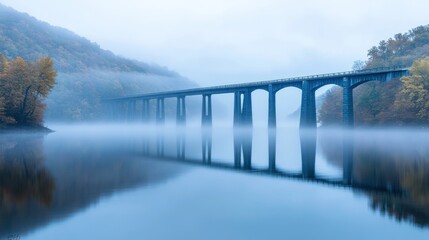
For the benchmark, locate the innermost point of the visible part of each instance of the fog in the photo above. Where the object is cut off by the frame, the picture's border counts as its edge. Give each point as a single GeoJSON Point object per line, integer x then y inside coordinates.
{"type": "Point", "coordinates": [226, 42]}
{"type": "Point", "coordinates": [118, 177]}
{"type": "Point", "coordinates": [219, 42]}
{"type": "Point", "coordinates": [56, 184]}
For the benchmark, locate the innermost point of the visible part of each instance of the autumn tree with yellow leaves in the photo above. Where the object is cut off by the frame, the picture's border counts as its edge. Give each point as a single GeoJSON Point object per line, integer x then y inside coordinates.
{"type": "Point", "coordinates": [413, 99]}
{"type": "Point", "coordinates": [402, 102]}
{"type": "Point", "coordinates": [23, 88]}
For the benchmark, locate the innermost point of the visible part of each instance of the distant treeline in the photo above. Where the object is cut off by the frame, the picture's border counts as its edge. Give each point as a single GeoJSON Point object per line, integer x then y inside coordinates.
{"type": "Point", "coordinates": [398, 102]}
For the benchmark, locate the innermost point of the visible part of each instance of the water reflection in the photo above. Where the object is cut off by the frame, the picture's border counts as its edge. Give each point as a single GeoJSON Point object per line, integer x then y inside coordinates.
{"type": "Point", "coordinates": [43, 179]}
{"type": "Point", "coordinates": [395, 178]}
{"type": "Point", "coordinates": [242, 161]}
{"type": "Point", "coordinates": [43, 183]}
{"type": "Point", "coordinates": [23, 176]}
{"type": "Point", "coordinates": [389, 160]}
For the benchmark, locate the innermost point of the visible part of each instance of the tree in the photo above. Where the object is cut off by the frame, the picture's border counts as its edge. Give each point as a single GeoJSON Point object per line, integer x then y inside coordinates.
{"type": "Point", "coordinates": [328, 114]}
{"type": "Point", "coordinates": [389, 103]}
{"type": "Point", "coordinates": [413, 99]}
{"type": "Point", "coordinates": [23, 87]}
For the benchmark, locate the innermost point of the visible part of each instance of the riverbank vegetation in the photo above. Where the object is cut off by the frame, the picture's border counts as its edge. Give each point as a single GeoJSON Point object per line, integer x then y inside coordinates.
{"type": "Point", "coordinates": [23, 89]}
{"type": "Point", "coordinates": [397, 102]}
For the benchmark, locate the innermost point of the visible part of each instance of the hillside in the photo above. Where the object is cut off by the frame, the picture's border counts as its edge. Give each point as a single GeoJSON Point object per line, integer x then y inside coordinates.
{"type": "Point", "coordinates": [86, 73]}
{"type": "Point", "coordinates": [378, 103]}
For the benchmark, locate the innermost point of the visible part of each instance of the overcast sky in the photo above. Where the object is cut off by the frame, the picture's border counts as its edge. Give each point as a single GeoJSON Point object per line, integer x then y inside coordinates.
{"type": "Point", "coordinates": [225, 41]}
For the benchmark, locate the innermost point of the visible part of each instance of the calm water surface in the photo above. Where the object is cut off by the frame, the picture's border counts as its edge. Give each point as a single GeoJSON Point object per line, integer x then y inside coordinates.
{"type": "Point", "coordinates": [131, 182]}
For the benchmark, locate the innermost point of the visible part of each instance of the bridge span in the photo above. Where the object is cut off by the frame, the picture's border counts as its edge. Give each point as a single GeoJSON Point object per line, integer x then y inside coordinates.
{"type": "Point", "coordinates": [243, 96]}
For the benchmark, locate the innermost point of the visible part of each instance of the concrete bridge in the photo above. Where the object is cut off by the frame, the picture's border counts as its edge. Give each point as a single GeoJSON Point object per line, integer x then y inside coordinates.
{"type": "Point", "coordinates": [243, 96]}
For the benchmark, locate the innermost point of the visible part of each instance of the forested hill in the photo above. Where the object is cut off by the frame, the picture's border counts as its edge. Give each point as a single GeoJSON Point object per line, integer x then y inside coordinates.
{"type": "Point", "coordinates": [86, 73]}
{"type": "Point", "coordinates": [397, 102]}
{"type": "Point", "coordinates": [25, 36]}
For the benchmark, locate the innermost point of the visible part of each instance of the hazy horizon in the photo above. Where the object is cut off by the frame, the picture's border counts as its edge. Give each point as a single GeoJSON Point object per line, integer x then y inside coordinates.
{"type": "Point", "coordinates": [222, 42]}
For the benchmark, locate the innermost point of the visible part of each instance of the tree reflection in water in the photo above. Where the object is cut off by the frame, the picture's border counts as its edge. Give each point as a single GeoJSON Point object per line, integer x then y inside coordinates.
{"type": "Point", "coordinates": [23, 176]}
{"type": "Point", "coordinates": [40, 183]}
{"type": "Point", "coordinates": [390, 159]}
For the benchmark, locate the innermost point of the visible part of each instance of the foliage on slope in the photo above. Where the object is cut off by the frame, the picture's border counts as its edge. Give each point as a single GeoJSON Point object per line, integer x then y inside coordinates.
{"type": "Point", "coordinates": [86, 73]}
{"type": "Point", "coordinates": [378, 103]}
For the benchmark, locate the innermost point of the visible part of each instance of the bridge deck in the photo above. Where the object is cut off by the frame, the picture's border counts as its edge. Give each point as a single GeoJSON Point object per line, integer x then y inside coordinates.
{"type": "Point", "coordinates": [263, 84]}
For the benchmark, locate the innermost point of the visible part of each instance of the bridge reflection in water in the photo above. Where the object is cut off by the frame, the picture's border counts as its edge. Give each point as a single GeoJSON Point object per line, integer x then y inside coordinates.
{"type": "Point", "coordinates": [43, 181]}
{"type": "Point", "coordinates": [242, 160]}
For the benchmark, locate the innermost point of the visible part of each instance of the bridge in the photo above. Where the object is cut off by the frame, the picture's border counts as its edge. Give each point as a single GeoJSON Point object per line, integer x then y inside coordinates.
{"type": "Point", "coordinates": [243, 96]}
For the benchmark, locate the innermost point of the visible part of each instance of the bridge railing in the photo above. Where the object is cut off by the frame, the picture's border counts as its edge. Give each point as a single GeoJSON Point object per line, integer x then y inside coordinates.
{"type": "Point", "coordinates": [318, 76]}
{"type": "Point", "coordinates": [274, 81]}
{"type": "Point", "coordinates": [310, 77]}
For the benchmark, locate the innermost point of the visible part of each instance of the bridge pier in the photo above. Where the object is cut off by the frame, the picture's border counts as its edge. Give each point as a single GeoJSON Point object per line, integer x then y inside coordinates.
{"type": "Point", "coordinates": [160, 111]}
{"type": "Point", "coordinates": [271, 107]}
{"type": "Point", "coordinates": [348, 115]}
{"type": "Point", "coordinates": [131, 110]}
{"type": "Point", "coordinates": [243, 145]}
{"type": "Point", "coordinates": [207, 145]}
{"type": "Point", "coordinates": [145, 111]}
{"type": "Point", "coordinates": [308, 106]}
{"type": "Point", "coordinates": [206, 123]}
{"type": "Point", "coordinates": [181, 111]}
{"type": "Point", "coordinates": [243, 137]}
{"type": "Point", "coordinates": [243, 109]}
{"type": "Point", "coordinates": [272, 149]}
{"type": "Point", "coordinates": [308, 140]}
{"type": "Point", "coordinates": [181, 143]}
{"type": "Point", "coordinates": [160, 119]}
{"type": "Point", "coordinates": [206, 116]}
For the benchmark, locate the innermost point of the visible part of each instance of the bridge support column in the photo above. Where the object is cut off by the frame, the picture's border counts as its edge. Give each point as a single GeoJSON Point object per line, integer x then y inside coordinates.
{"type": "Point", "coordinates": [271, 128]}
{"type": "Point", "coordinates": [160, 111]}
{"type": "Point", "coordinates": [181, 111]}
{"type": "Point", "coordinates": [271, 107]}
{"type": "Point", "coordinates": [308, 153]}
{"type": "Point", "coordinates": [243, 109]}
{"type": "Point", "coordinates": [272, 149]}
{"type": "Point", "coordinates": [206, 123]}
{"type": "Point", "coordinates": [308, 106]}
{"type": "Point", "coordinates": [109, 111]}
{"type": "Point", "coordinates": [207, 144]}
{"type": "Point", "coordinates": [181, 143]}
{"type": "Point", "coordinates": [145, 111]}
{"type": "Point", "coordinates": [181, 123]}
{"type": "Point", "coordinates": [237, 109]}
{"type": "Point", "coordinates": [348, 115]}
{"type": "Point", "coordinates": [131, 110]}
{"type": "Point", "coordinates": [160, 119]}
{"type": "Point", "coordinates": [206, 116]}
{"type": "Point", "coordinates": [247, 149]}
{"type": "Point", "coordinates": [247, 109]}
{"type": "Point", "coordinates": [243, 136]}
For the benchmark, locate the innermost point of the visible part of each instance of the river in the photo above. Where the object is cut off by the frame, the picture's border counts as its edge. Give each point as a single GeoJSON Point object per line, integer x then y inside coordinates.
{"type": "Point", "coordinates": [112, 181]}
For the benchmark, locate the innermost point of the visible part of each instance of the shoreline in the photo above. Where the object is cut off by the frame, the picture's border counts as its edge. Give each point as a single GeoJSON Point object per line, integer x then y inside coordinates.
{"type": "Point", "coordinates": [25, 129]}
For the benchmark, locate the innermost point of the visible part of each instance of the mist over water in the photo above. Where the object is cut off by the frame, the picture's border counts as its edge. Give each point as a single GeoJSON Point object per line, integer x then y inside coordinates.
{"type": "Point", "coordinates": [129, 180]}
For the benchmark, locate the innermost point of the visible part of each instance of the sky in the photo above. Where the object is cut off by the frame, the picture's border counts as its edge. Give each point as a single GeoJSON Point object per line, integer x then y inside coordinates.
{"type": "Point", "coordinates": [216, 42]}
